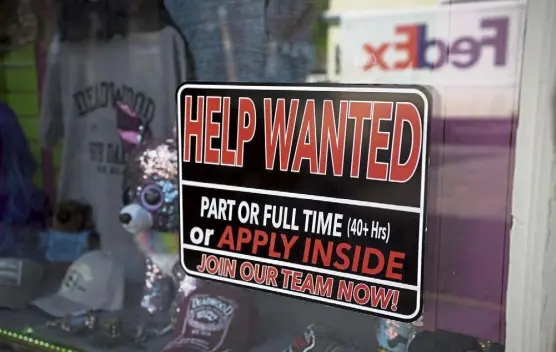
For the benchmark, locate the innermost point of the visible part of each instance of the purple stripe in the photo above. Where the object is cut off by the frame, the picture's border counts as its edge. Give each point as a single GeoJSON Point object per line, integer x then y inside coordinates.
{"type": "Point", "coordinates": [472, 131]}
{"type": "Point", "coordinates": [466, 255]}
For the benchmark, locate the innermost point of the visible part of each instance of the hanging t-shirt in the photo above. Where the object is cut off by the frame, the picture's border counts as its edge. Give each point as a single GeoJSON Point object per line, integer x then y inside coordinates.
{"type": "Point", "coordinates": [227, 38]}
{"type": "Point", "coordinates": [83, 83]}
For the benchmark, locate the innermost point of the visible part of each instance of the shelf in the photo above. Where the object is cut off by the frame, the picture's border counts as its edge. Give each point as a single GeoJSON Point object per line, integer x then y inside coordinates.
{"type": "Point", "coordinates": [282, 319]}
{"type": "Point", "coordinates": [19, 321]}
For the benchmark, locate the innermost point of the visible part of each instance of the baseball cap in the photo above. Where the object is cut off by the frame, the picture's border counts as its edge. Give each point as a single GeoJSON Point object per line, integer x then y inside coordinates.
{"type": "Point", "coordinates": [95, 281]}
{"type": "Point", "coordinates": [318, 338]}
{"type": "Point", "coordinates": [215, 318]}
{"type": "Point", "coordinates": [18, 280]}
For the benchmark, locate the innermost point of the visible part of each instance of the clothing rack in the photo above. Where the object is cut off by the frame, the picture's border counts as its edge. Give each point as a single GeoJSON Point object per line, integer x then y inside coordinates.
{"type": "Point", "coordinates": [105, 19]}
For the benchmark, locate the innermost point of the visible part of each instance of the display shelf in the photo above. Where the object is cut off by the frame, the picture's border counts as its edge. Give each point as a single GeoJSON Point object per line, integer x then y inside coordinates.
{"type": "Point", "coordinates": [17, 322]}
{"type": "Point", "coordinates": [24, 342]}
{"type": "Point", "coordinates": [20, 321]}
{"type": "Point", "coordinates": [282, 319]}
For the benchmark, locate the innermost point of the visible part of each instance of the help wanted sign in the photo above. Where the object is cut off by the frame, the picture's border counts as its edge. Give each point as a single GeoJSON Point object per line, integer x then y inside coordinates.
{"type": "Point", "coordinates": [315, 192]}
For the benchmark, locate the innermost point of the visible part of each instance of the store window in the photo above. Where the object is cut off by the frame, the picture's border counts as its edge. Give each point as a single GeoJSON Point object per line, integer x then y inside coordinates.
{"type": "Point", "coordinates": [89, 191]}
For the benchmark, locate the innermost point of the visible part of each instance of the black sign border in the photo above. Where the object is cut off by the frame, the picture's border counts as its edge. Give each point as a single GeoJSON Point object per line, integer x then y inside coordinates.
{"type": "Point", "coordinates": [426, 94]}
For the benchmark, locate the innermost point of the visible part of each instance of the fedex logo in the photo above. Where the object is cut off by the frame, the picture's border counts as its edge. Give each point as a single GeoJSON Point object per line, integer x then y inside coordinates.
{"type": "Point", "coordinates": [463, 52]}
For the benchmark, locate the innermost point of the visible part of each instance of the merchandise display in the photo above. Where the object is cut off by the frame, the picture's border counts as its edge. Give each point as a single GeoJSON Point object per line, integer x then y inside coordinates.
{"type": "Point", "coordinates": [19, 279]}
{"type": "Point", "coordinates": [320, 339]}
{"type": "Point", "coordinates": [216, 317]}
{"type": "Point", "coordinates": [394, 336]}
{"type": "Point", "coordinates": [71, 232]}
{"type": "Point", "coordinates": [84, 81]}
{"type": "Point", "coordinates": [71, 216]}
{"type": "Point", "coordinates": [95, 281]}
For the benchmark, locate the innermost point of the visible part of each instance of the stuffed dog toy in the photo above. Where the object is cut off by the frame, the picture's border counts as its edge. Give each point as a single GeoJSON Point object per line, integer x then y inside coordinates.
{"type": "Point", "coordinates": [151, 210]}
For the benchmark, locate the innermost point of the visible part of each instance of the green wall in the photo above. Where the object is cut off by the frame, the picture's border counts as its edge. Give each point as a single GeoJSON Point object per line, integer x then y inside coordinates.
{"type": "Point", "coordinates": [19, 88]}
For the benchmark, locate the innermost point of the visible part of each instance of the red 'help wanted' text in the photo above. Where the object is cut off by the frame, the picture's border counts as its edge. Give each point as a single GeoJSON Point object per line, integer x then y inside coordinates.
{"type": "Point", "coordinates": [283, 139]}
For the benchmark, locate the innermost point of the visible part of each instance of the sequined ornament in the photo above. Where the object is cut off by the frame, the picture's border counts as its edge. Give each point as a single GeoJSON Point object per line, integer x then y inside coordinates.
{"type": "Point", "coordinates": [394, 336]}
{"type": "Point", "coordinates": [151, 211]}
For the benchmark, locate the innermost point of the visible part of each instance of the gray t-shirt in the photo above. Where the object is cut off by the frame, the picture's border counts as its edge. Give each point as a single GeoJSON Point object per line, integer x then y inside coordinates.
{"type": "Point", "coordinates": [82, 85]}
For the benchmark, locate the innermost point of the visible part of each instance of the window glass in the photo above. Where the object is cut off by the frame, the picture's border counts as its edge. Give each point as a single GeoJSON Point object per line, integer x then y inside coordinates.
{"type": "Point", "coordinates": [89, 195]}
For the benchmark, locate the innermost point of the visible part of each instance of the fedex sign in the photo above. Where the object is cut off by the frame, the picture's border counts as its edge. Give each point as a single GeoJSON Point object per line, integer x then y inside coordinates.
{"type": "Point", "coordinates": [422, 49]}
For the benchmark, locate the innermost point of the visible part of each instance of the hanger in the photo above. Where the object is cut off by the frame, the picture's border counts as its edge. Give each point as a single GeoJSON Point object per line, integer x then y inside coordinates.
{"type": "Point", "coordinates": [83, 20]}
{"type": "Point", "coordinates": [118, 18]}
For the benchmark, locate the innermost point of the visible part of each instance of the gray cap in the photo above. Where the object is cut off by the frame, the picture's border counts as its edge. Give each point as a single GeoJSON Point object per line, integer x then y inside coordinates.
{"type": "Point", "coordinates": [19, 279]}
{"type": "Point", "coordinates": [95, 281]}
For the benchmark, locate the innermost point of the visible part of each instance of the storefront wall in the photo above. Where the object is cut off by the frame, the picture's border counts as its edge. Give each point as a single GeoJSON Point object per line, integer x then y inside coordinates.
{"type": "Point", "coordinates": [531, 302]}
